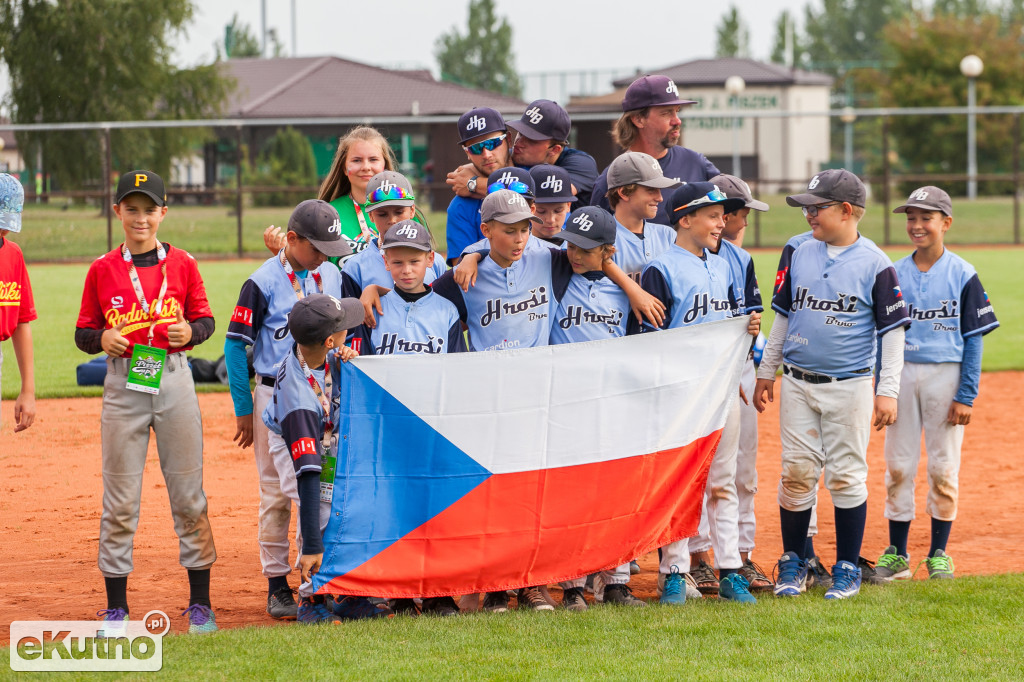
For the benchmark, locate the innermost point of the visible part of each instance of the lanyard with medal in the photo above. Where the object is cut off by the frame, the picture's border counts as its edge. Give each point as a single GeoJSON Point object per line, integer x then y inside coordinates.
{"type": "Point", "coordinates": [299, 293]}
{"type": "Point", "coordinates": [146, 366]}
{"type": "Point", "coordinates": [366, 231]}
{"type": "Point", "coordinates": [328, 461]}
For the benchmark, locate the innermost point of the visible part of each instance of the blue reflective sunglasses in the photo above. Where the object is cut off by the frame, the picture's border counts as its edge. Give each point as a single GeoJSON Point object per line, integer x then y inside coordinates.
{"type": "Point", "coordinates": [516, 186]}
{"type": "Point", "coordinates": [489, 145]}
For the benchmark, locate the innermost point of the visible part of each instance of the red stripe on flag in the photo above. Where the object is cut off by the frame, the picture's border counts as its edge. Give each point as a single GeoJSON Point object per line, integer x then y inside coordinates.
{"type": "Point", "coordinates": [541, 527]}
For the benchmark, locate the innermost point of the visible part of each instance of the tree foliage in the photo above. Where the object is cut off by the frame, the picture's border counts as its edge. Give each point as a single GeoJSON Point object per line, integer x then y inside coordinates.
{"type": "Point", "coordinates": [779, 52]}
{"type": "Point", "coordinates": [482, 57]}
{"type": "Point", "coordinates": [286, 160]}
{"type": "Point", "coordinates": [733, 38]}
{"type": "Point", "coordinates": [239, 41]}
{"type": "Point", "coordinates": [103, 60]}
{"type": "Point", "coordinates": [844, 34]}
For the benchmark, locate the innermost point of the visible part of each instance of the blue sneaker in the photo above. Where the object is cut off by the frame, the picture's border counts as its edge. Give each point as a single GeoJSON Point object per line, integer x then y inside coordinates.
{"type": "Point", "coordinates": [791, 578]}
{"type": "Point", "coordinates": [200, 620]}
{"type": "Point", "coordinates": [358, 608]}
{"type": "Point", "coordinates": [845, 581]}
{"type": "Point", "coordinates": [674, 589]}
{"type": "Point", "coordinates": [315, 612]}
{"type": "Point", "coordinates": [734, 587]}
{"type": "Point", "coordinates": [114, 623]}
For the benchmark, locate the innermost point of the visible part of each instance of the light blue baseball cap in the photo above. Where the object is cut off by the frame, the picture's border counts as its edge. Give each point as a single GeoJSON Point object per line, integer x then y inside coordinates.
{"type": "Point", "coordinates": [12, 201]}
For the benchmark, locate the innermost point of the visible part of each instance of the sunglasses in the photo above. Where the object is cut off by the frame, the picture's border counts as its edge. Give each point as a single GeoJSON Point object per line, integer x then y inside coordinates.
{"type": "Point", "coordinates": [813, 211]}
{"type": "Point", "coordinates": [388, 192]}
{"type": "Point", "coordinates": [488, 145]}
{"type": "Point", "coordinates": [516, 186]}
{"type": "Point", "coordinates": [711, 197]}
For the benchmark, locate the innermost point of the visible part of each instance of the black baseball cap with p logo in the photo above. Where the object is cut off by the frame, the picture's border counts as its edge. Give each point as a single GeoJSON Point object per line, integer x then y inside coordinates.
{"type": "Point", "coordinates": [144, 182]}
{"type": "Point", "coordinates": [589, 227]}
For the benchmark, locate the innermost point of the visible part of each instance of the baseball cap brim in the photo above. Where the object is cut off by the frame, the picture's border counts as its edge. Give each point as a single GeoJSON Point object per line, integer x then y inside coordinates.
{"type": "Point", "coordinates": [406, 245]}
{"type": "Point", "coordinates": [391, 202]}
{"type": "Point", "coordinates": [10, 222]}
{"type": "Point", "coordinates": [757, 205]}
{"type": "Point", "coordinates": [510, 218]}
{"type": "Point", "coordinates": [728, 205]}
{"type": "Point", "coordinates": [155, 197]}
{"type": "Point", "coordinates": [919, 204]}
{"type": "Point", "coordinates": [578, 239]}
{"type": "Point", "coordinates": [659, 183]}
{"type": "Point", "coordinates": [334, 249]}
{"type": "Point", "coordinates": [526, 131]}
{"type": "Point", "coordinates": [555, 200]}
{"type": "Point", "coordinates": [807, 199]}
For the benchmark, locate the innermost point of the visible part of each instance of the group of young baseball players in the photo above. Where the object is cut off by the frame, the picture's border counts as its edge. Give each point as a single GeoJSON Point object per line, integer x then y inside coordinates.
{"type": "Point", "coordinates": [545, 251]}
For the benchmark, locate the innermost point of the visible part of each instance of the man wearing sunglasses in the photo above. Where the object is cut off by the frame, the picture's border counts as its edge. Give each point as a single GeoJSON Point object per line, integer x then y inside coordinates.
{"type": "Point", "coordinates": [484, 138]}
{"type": "Point", "coordinates": [650, 124]}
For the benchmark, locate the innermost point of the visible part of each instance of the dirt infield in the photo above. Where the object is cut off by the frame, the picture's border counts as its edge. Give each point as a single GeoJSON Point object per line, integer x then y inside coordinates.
{"type": "Point", "coordinates": [51, 492]}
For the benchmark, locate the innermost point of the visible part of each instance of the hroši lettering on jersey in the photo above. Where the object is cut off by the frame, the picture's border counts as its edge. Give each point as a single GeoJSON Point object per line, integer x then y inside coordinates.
{"type": "Point", "coordinates": [392, 344]}
{"type": "Point", "coordinates": [495, 309]}
{"type": "Point", "coordinates": [842, 303]}
{"type": "Point", "coordinates": [703, 304]}
{"type": "Point", "coordinates": [577, 316]}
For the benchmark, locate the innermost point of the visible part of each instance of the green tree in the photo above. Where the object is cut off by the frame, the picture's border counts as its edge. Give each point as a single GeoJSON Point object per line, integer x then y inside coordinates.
{"type": "Point", "coordinates": [844, 34]}
{"type": "Point", "coordinates": [961, 8]}
{"type": "Point", "coordinates": [286, 160]}
{"type": "Point", "coordinates": [785, 29]}
{"type": "Point", "coordinates": [482, 57]}
{"type": "Point", "coordinates": [103, 60]}
{"type": "Point", "coordinates": [733, 36]}
{"type": "Point", "coordinates": [239, 41]}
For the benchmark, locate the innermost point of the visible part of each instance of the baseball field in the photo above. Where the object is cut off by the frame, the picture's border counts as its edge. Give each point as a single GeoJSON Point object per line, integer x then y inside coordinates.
{"type": "Point", "coordinates": [51, 500]}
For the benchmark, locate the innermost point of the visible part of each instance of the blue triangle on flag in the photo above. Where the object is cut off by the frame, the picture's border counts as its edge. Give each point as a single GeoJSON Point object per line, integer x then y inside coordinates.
{"type": "Point", "coordinates": [387, 484]}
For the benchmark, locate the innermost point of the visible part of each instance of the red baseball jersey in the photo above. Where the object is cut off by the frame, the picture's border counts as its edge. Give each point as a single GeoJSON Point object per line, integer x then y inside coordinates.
{"type": "Point", "coordinates": [109, 298]}
{"type": "Point", "coordinates": [16, 304]}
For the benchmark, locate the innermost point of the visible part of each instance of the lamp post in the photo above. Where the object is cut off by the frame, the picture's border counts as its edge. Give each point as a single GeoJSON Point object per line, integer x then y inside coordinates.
{"type": "Point", "coordinates": [734, 85]}
{"type": "Point", "coordinates": [971, 66]}
{"type": "Point", "coordinates": [848, 117]}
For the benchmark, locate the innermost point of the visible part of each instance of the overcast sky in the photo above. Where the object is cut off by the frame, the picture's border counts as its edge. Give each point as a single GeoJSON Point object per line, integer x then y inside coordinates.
{"type": "Point", "coordinates": [549, 35]}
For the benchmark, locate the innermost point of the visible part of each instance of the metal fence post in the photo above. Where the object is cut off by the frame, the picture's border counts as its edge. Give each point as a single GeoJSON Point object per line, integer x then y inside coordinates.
{"type": "Point", "coordinates": [238, 193]}
{"type": "Point", "coordinates": [108, 201]}
{"type": "Point", "coordinates": [1016, 178]}
{"type": "Point", "coordinates": [886, 170]}
{"type": "Point", "coordinates": [757, 180]}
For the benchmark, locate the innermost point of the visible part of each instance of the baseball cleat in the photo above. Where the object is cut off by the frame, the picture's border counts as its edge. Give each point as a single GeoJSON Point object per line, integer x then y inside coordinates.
{"type": "Point", "coordinates": [940, 566]}
{"type": "Point", "coordinates": [734, 587]}
{"type": "Point", "coordinates": [845, 581]}
{"type": "Point", "coordinates": [281, 604]}
{"type": "Point", "coordinates": [621, 595]}
{"type": "Point", "coordinates": [114, 623]}
{"type": "Point", "coordinates": [791, 576]}
{"type": "Point", "coordinates": [573, 600]}
{"type": "Point", "coordinates": [891, 566]}
{"type": "Point", "coordinates": [673, 587]}
{"type": "Point", "coordinates": [200, 619]}
{"type": "Point", "coordinates": [817, 574]}
{"type": "Point", "coordinates": [496, 602]}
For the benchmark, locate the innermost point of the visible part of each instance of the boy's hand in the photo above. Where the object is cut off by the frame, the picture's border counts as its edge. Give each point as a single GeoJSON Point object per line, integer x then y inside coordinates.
{"type": "Point", "coordinates": [959, 414]}
{"type": "Point", "coordinates": [112, 342]}
{"type": "Point", "coordinates": [179, 333]}
{"type": "Point", "coordinates": [25, 411]}
{"type": "Point", "coordinates": [458, 178]}
{"type": "Point", "coordinates": [764, 393]}
{"type": "Point", "coordinates": [243, 431]}
{"type": "Point", "coordinates": [885, 412]}
{"type": "Point", "coordinates": [371, 301]}
{"type": "Point", "coordinates": [345, 354]}
{"type": "Point", "coordinates": [274, 238]}
{"type": "Point", "coordinates": [309, 565]}
{"type": "Point", "coordinates": [645, 305]}
{"type": "Point", "coordinates": [754, 326]}
{"type": "Point", "coordinates": [465, 272]}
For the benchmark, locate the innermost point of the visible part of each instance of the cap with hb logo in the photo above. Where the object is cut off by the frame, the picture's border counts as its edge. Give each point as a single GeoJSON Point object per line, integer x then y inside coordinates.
{"type": "Point", "coordinates": [652, 91]}
{"type": "Point", "coordinates": [318, 316]}
{"type": "Point", "coordinates": [142, 181]}
{"type": "Point", "coordinates": [407, 233]}
{"type": "Point", "coordinates": [389, 188]}
{"type": "Point", "coordinates": [515, 179]}
{"type": "Point", "coordinates": [834, 184]}
{"type": "Point", "coordinates": [696, 195]}
{"type": "Point", "coordinates": [554, 186]}
{"type": "Point", "coordinates": [930, 198]}
{"type": "Point", "coordinates": [506, 206]}
{"type": "Point", "coordinates": [12, 202]}
{"type": "Point", "coordinates": [638, 168]}
{"type": "Point", "coordinates": [480, 121]}
{"type": "Point", "coordinates": [318, 221]}
{"type": "Point", "coordinates": [543, 120]}
{"type": "Point", "coordinates": [734, 188]}
{"type": "Point", "coordinates": [589, 227]}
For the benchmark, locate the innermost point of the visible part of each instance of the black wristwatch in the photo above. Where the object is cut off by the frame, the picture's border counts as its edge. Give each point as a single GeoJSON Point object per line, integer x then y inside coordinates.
{"type": "Point", "coordinates": [471, 185]}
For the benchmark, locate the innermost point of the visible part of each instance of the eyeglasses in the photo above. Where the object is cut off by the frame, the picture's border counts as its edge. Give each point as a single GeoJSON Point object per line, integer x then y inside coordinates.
{"type": "Point", "coordinates": [711, 197]}
{"type": "Point", "coordinates": [388, 192]}
{"type": "Point", "coordinates": [489, 145]}
{"type": "Point", "coordinates": [515, 185]}
{"type": "Point", "coordinates": [812, 211]}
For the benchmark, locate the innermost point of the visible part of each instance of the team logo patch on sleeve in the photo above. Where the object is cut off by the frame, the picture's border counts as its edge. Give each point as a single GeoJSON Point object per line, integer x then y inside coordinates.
{"type": "Point", "coordinates": [780, 277]}
{"type": "Point", "coordinates": [242, 316]}
{"type": "Point", "coordinates": [303, 446]}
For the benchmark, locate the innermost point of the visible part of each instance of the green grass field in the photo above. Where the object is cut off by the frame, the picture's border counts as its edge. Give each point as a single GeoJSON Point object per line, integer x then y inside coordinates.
{"type": "Point", "coordinates": [967, 629]}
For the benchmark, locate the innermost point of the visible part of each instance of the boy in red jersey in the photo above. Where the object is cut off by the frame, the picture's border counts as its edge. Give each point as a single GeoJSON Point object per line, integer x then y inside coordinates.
{"type": "Point", "coordinates": [17, 308]}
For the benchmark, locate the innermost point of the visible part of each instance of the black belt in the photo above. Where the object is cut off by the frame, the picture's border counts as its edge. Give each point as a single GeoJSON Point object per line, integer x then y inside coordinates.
{"type": "Point", "coordinates": [818, 378]}
{"type": "Point", "coordinates": [268, 381]}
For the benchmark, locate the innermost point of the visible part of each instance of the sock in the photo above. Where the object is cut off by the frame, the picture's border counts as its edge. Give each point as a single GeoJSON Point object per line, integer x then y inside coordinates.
{"type": "Point", "coordinates": [809, 548]}
{"type": "Point", "coordinates": [899, 531]}
{"type": "Point", "coordinates": [940, 535]}
{"type": "Point", "coordinates": [276, 583]}
{"type": "Point", "coordinates": [794, 531]}
{"type": "Point", "coordinates": [850, 532]}
{"type": "Point", "coordinates": [724, 573]}
{"type": "Point", "coordinates": [199, 587]}
{"type": "Point", "coordinates": [117, 593]}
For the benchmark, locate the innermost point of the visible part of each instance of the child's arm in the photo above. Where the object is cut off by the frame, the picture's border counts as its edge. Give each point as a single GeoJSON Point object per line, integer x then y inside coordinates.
{"type": "Point", "coordinates": [25, 404]}
{"type": "Point", "coordinates": [642, 303]}
{"type": "Point", "coordinates": [274, 239]}
{"type": "Point", "coordinates": [970, 375]}
{"type": "Point", "coordinates": [887, 389]}
{"type": "Point", "coordinates": [308, 485]}
{"type": "Point", "coordinates": [771, 358]}
{"type": "Point", "coordinates": [465, 271]}
{"type": "Point", "coordinates": [237, 366]}
{"type": "Point", "coordinates": [370, 298]}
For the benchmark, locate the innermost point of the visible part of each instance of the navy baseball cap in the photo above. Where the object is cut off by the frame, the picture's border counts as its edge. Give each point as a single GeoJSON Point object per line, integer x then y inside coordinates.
{"type": "Point", "coordinates": [506, 206]}
{"type": "Point", "coordinates": [834, 184]}
{"type": "Point", "coordinates": [734, 188]}
{"type": "Point", "coordinates": [696, 195]}
{"type": "Point", "coordinates": [318, 316]}
{"type": "Point", "coordinates": [407, 233]}
{"type": "Point", "coordinates": [930, 198]}
{"type": "Point", "coordinates": [142, 181]}
{"type": "Point", "coordinates": [554, 186]}
{"type": "Point", "coordinates": [318, 221]}
{"type": "Point", "coordinates": [589, 227]}
{"type": "Point", "coordinates": [515, 179]}
{"type": "Point", "coordinates": [480, 121]}
{"type": "Point", "coordinates": [652, 91]}
{"type": "Point", "coordinates": [543, 120]}
{"type": "Point", "coordinates": [12, 203]}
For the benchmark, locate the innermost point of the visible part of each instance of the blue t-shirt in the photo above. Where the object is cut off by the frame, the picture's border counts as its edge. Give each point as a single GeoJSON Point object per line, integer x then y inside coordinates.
{"type": "Point", "coordinates": [463, 226]}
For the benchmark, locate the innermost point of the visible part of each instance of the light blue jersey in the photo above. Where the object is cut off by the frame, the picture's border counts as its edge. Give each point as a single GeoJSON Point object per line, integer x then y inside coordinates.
{"type": "Point", "coordinates": [694, 289]}
{"type": "Point", "coordinates": [593, 308]}
{"type": "Point", "coordinates": [367, 267]}
{"type": "Point", "coordinates": [742, 277]}
{"type": "Point", "coordinates": [633, 254]}
{"type": "Point", "coordinates": [428, 324]}
{"type": "Point", "coordinates": [295, 412]}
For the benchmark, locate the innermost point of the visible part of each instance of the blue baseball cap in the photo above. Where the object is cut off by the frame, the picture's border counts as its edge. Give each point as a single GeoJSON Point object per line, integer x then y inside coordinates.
{"type": "Point", "coordinates": [515, 179]}
{"type": "Point", "coordinates": [12, 202]}
{"type": "Point", "coordinates": [695, 195]}
{"type": "Point", "coordinates": [554, 186]}
{"type": "Point", "coordinates": [480, 121]}
{"type": "Point", "coordinates": [589, 227]}
{"type": "Point", "coordinates": [543, 120]}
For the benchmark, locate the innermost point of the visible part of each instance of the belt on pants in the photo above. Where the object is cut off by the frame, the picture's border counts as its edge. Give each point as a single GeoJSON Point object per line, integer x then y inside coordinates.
{"type": "Point", "coordinates": [813, 378]}
{"type": "Point", "coordinates": [174, 362]}
{"type": "Point", "coordinates": [267, 381]}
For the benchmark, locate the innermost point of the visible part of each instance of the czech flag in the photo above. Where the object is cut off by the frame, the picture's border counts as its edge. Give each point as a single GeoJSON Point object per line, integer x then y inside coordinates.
{"type": "Point", "coordinates": [475, 472]}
